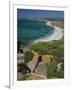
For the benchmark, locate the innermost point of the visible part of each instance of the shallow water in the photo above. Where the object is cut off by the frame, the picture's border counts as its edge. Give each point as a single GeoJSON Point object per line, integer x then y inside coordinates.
{"type": "Point", "coordinates": [30, 30]}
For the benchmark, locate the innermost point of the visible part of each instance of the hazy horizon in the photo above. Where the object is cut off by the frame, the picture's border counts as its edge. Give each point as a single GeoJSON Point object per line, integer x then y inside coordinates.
{"type": "Point", "coordinates": [35, 14]}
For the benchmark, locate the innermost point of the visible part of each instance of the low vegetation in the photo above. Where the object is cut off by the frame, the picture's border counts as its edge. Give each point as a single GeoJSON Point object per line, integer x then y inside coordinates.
{"type": "Point", "coordinates": [51, 69]}
{"type": "Point", "coordinates": [56, 49]}
{"type": "Point", "coordinates": [28, 56]}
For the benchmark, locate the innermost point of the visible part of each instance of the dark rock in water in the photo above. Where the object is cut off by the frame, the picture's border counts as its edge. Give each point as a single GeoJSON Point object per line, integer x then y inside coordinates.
{"type": "Point", "coordinates": [18, 46]}
{"type": "Point", "coordinates": [21, 50]}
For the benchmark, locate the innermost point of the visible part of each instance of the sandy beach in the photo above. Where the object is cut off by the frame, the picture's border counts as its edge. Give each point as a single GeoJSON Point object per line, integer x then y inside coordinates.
{"type": "Point", "coordinates": [58, 34]}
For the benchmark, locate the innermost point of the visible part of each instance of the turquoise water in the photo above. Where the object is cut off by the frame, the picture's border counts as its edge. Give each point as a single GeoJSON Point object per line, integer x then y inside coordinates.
{"type": "Point", "coordinates": [29, 31]}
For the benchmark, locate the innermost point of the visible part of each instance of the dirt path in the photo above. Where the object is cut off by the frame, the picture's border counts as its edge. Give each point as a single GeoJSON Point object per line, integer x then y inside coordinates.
{"type": "Point", "coordinates": [41, 69]}
{"type": "Point", "coordinates": [33, 63]}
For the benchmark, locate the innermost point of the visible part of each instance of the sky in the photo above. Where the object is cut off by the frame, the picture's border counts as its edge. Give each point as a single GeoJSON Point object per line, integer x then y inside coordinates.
{"type": "Point", "coordinates": [33, 14]}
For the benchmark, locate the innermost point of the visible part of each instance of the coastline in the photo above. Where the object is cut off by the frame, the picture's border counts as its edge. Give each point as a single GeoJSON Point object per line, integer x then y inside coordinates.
{"type": "Point", "coordinates": [57, 35]}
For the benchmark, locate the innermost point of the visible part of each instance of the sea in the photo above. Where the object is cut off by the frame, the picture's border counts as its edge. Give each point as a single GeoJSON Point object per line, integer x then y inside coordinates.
{"type": "Point", "coordinates": [30, 30]}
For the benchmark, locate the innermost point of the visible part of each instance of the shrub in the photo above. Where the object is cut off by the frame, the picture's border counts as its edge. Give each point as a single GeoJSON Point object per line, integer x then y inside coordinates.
{"type": "Point", "coordinates": [51, 70]}
{"type": "Point", "coordinates": [28, 56]}
{"type": "Point", "coordinates": [60, 74]}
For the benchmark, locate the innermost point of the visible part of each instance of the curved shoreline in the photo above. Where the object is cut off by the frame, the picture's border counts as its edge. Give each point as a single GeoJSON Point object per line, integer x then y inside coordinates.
{"type": "Point", "coordinates": [57, 35]}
